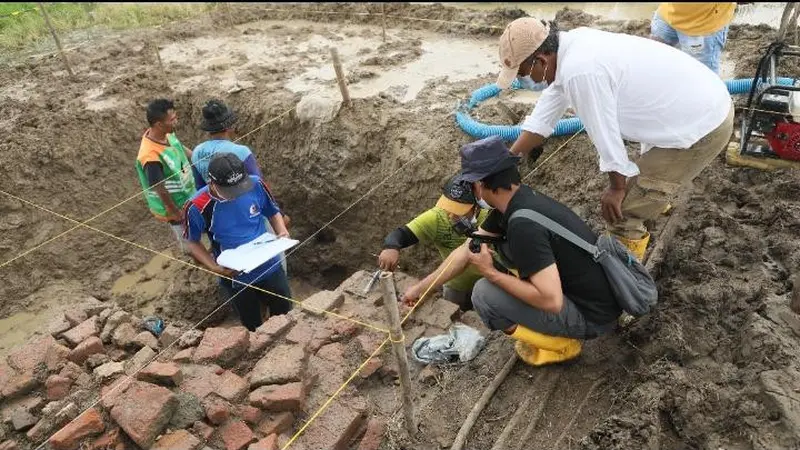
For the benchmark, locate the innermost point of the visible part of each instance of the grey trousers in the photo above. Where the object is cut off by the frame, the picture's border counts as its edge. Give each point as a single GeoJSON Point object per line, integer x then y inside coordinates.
{"type": "Point", "coordinates": [499, 310]}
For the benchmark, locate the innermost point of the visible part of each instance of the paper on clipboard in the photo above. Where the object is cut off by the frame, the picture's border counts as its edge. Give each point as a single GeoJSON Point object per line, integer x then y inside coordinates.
{"type": "Point", "coordinates": [249, 256]}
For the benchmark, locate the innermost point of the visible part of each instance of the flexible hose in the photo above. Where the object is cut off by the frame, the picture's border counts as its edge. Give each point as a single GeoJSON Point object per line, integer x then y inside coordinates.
{"type": "Point", "coordinates": [564, 126]}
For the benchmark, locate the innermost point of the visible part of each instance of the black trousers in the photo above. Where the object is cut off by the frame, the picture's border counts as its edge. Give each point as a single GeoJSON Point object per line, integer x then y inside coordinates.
{"type": "Point", "coordinates": [249, 301]}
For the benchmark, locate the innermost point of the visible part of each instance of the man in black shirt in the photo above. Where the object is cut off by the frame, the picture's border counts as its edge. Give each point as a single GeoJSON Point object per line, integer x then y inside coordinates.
{"type": "Point", "coordinates": [541, 289]}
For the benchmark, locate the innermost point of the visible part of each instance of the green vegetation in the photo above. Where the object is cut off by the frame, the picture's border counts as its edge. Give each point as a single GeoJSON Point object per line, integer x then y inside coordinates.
{"type": "Point", "coordinates": [26, 28]}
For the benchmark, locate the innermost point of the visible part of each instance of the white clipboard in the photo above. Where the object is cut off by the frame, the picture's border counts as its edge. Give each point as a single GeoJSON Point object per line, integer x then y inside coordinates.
{"type": "Point", "coordinates": [249, 256]}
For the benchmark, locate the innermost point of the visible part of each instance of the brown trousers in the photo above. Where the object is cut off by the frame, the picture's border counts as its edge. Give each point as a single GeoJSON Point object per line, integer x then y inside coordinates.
{"type": "Point", "coordinates": [663, 172]}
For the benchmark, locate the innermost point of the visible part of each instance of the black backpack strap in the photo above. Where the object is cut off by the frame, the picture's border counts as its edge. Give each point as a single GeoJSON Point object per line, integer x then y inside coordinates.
{"type": "Point", "coordinates": [556, 228]}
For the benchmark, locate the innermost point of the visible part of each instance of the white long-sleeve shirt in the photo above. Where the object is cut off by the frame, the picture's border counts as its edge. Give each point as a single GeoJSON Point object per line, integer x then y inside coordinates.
{"type": "Point", "coordinates": [627, 87]}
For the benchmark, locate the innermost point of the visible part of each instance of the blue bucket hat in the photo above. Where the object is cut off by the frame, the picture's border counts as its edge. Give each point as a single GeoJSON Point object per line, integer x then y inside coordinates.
{"type": "Point", "coordinates": [485, 157]}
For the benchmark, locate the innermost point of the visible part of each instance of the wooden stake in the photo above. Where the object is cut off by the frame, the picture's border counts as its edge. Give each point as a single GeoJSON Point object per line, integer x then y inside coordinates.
{"type": "Point", "coordinates": [337, 66]}
{"type": "Point", "coordinates": [398, 345]}
{"type": "Point", "coordinates": [158, 56]}
{"type": "Point", "coordinates": [472, 417]}
{"type": "Point", "coordinates": [228, 10]}
{"type": "Point", "coordinates": [383, 14]}
{"type": "Point", "coordinates": [55, 38]}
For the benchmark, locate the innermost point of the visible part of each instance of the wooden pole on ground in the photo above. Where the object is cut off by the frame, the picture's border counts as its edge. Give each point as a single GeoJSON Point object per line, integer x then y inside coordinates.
{"type": "Point", "coordinates": [383, 15]}
{"type": "Point", "coordinates": [398, 345]}
{"type": "Point", "coordinates": [472, 417]}
{"type": "Point", "coordinates": [55, 38]}
{"type": "Point", "coordinates": [337, 66]}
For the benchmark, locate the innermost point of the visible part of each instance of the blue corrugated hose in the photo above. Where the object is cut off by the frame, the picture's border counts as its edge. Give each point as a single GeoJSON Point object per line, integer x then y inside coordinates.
{"type": "Point", "coordinates": [564, 126]}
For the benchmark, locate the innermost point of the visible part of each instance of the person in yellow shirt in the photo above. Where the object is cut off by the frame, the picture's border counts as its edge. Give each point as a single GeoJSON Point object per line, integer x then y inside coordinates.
{"type": "Point", "coordinates": [699, 29]}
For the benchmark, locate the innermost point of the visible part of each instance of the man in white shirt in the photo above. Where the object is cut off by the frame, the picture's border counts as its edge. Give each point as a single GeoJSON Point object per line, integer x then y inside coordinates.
{"type": "Point", "coordinates": [622, 87]}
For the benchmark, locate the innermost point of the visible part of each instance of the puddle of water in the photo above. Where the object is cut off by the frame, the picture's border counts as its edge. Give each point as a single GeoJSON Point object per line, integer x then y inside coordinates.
{"type": "Point", "coordinates": [146, 284]}
{"type": "Point", "coordinates": [17, 328]}
{"type": "Point", "coordinates": [757, 13]}
{"type": "Point", "coordinates": [450, 59]}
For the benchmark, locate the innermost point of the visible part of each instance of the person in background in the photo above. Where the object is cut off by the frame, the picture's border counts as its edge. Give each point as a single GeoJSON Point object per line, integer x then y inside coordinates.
{"type": "Point", "coordinates": [445, 227]}
{"type": "Point", "coordinates": [219, 121]}
{"type": "Point", "coordinates": [623, 87]}
{"type": "Point", "coordinates": [162, 165]}
{"type": "Point", "coordinates": [230, 210]}
{"type": "Point", "coordinates": [541, 290]}
{"type": "Point", "coordinates": [698, 29]}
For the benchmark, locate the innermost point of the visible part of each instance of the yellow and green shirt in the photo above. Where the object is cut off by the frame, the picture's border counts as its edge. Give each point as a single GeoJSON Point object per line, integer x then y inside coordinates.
{"type": "Point", "coordinates": [434, 227]}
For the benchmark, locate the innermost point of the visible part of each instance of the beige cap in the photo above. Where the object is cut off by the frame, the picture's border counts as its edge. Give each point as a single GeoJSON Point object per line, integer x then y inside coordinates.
{"type": "Point", "coordinates": [520, 39]}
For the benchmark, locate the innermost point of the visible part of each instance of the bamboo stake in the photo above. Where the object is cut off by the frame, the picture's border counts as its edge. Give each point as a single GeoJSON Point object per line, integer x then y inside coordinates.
{"type": "Point", "coordinates": [383, 15]}
{"type": "Point", "coordinates": [396, 336]}
{"type": "Point", "coordinates": [337, 66]}
{"type": "Point", "coordinates": [55, 38]}
{"type": "Point", "coordinates": [158, 56]}
{"type": "Point", "coordinates": [472, 417]}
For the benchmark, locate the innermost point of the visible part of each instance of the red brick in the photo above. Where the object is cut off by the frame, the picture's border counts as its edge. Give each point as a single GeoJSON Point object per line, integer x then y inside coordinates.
{"type": "Point", "coordinates": [57, 387]}
{"type": "Point", "coordinates": [302, 334]}
{"type": "Point", "coordinates": [373, 437]}
{"type": "Point", "coordinates": [232, 387]}
{"type": "Point", "coordinates": [322, 335]}
{"type": "Point", "coordinates": [203, 430]}
{"type": "Point", "coordinates": [36, 352]}
{"type": "Point", "coordinates": [222, 345]}
{"type": "Point", "coordinates": [80, 333]}
{"type": "Point", "coordinates": [323, 301]}
{"type": "Point", "coordinates": [217, 412]}
{"type": "Point", "coordinates": [286, 397]}
{"type": "Point", "coordinates": [87, 424]}
{"type": "Point", "coordinates": [85, 349]}
{"type": "Point", "coordinates": [19, 384]}
{"type": "Point", "coordinates": [184, 355]}
{"type": "Point", "coordinates": [336, 428]}
{"type": "Point", "coordinates": [146, 339]}
{"type": "Point", "coordinates": [177, 440]}
{"type": "Point", "coordinates": [276, 423]}
{"type": "Point", "coordinates": [22, 420]}
{"type": "Point", "coordinates": [236, 435]}
{"type": "Point", "coordinates": [250, 414]}
{"type": "Point", "coordinates": [371, 367]}
{"type": "Point", "coordinates": [110, 440]}
{"type": "Point", "coordinates": [143, 411]}
{"type": "Point", "coordinates": [168, 374]}
{"type": "Point", "coordinates": [332, 352]}
{"type": "Point", "coordinates": [258, 343]}
{"type": "Point", "coordinates": [369, 342]}
{"type": "Point", "coordinates": [284, 363]}
{"type": "Point", "coordinates": [276, 325]}
{"type": "Point", "coordinates": [110, 393]}
{"type": "Point", "coordinates": [200, 380]}
{"type": "Point", "coordinates": [124, 335]}
{"type": "Point", "coordinates": [345, 328]}
{"type": "Point", "coordinates": [75, 317]}
{"type": "Point", "coordinates": [9, 445]}
{"type": "Point", "coordinates": [58, 326]}
{"type": "Point", "coordinates": [268, 443]}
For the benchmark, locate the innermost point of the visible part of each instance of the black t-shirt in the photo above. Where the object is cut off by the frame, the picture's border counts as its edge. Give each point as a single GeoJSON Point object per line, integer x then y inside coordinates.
{"type": "Point", "coordinates": [532, 247]}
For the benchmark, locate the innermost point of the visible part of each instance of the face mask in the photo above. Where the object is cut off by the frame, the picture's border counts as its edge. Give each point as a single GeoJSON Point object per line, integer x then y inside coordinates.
{"type": "Point", "coordinates": [527, 83]}
{"type": "Point", "coordinates": [482, 203]}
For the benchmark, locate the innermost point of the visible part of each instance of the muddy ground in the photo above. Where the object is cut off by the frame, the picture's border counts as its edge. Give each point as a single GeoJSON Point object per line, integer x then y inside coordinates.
{"type": "Point", "coordinates": [713, 367]}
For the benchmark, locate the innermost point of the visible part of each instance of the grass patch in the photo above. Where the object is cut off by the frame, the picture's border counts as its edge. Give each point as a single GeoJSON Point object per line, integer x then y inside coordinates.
{"type": "Point", "coordinates": [26, 29]}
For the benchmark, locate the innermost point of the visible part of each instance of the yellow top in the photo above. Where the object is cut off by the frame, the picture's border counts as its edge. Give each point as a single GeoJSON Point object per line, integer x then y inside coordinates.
{"type": "Point", "coordinates": [697, 19]}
